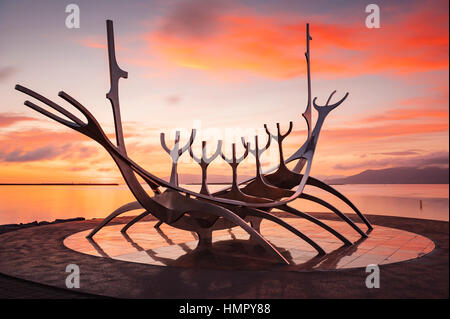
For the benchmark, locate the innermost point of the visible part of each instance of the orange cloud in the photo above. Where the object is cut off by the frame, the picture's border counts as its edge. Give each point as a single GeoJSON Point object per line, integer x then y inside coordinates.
{"type": "Point", "coordinates": [35, 145]}
{"type": "Point", "coordinates": [272, 45]}
{"type": "Point", "coordinates": [68, 156]}
{"type": "Point", "coordinates": [251, 43]}
{"type": "Point", "coordinates": [38, 137]}
{"type": "Point", "coordinates": [37, 155]}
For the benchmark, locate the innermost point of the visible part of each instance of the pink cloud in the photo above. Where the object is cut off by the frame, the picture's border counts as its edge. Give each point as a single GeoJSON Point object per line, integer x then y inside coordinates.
{"type": "Point", "coordinates": [8, 119]}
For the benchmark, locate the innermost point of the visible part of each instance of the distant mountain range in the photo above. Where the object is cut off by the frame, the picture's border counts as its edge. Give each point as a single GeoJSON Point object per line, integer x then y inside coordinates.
{"type": "Point", "coordinates": [397, 175]}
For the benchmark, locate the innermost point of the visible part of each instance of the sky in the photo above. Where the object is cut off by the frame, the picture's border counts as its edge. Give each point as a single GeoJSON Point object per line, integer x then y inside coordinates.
{"type": "Point", "coordinates": [225, 68]}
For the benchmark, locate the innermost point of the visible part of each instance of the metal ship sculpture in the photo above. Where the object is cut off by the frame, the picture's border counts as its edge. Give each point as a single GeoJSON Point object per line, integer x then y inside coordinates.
{"type": "Point", "coordinates": [243, 204]}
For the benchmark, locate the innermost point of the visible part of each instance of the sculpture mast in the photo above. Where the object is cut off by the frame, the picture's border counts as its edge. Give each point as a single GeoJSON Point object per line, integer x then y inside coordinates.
{"type": "Point", "coordinates": [115, 73]}
{"type": "Point", "coordinates": [307, 114]}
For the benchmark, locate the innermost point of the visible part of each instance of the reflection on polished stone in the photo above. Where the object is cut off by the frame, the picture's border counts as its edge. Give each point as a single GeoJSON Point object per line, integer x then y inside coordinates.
{"type": "Point", "coordinates": [232, 249]}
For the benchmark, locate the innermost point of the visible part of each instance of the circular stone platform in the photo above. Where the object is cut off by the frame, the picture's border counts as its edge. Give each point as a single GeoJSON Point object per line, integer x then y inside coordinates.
{"type": "Point", "coordinates": [148, 264]}
{"type": "Point", "coordinates": [232, 249]}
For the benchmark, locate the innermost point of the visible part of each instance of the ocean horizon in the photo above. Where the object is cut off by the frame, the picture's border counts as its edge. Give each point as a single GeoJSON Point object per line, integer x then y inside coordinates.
{"type": "Point", "coordinates": [28, 203]}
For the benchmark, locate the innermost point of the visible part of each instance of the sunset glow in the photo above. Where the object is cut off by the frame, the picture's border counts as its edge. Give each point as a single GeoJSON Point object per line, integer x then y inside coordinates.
{"type": "Point", "coordinates": [226, 65]}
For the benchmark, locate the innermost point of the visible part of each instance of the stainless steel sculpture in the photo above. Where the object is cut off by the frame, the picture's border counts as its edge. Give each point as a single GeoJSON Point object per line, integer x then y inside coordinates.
{"type": "Point", "coordinates": [240, 204]}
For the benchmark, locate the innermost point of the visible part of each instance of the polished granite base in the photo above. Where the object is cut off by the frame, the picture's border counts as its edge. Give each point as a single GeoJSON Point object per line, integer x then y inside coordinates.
{"type": "Point", "coordinates": [233, 250]}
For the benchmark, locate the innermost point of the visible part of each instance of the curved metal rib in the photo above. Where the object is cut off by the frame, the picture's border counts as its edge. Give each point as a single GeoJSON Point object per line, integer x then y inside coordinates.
{"type": "Point", "coordinates": [319, 184]}
{"type": "Point", "coordinates": [333, 209]}
{"type": "Point", "coordinates": [286, 178]}
{"type": "Point", "coordinates": [134, 221]}
{"type": "Point", "coordinates": [123, 209]}
{"type": "Point", "coordinates": [316, 221]}
{"type": "Point", "coordinates": [265, 215]}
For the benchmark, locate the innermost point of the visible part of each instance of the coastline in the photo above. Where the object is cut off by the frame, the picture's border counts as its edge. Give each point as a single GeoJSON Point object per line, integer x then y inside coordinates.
{"type": "Point", "coordinates": [11, 227]}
